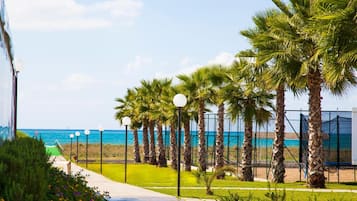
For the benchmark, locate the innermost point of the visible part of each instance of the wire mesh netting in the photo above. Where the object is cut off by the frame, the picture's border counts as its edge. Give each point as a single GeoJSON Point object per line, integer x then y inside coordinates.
{"type": "Point", "coordinates": [336, 129]}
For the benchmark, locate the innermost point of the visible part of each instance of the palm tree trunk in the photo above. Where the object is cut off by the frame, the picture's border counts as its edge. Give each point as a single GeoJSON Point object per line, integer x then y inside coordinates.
{"type": "Point", "coordinates": [201, 133]}
{"type": "Point", "coordinates": [136, 146]}
{"type": "Point", "coordinates": [152, 143]}
{"type": "Point", "coordinates": [146, 141]}
{"type": "Point", "coordinates": [187, 149]}
{"type": "Point", "coordinates": [316, 178]}
{"type": "Point", "coordinates": [160, 142]}
{"type": "Point", "coordinates": [247, 171]}
{"type": "Point", "coordinates": [278, 168]}
{"type": "Point", "coordinates": [219, 140]}
{"type": "Point", "coordinates": [173, 146]}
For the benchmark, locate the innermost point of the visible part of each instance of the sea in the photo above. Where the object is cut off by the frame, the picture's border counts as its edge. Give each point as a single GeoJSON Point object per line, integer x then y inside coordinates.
{"type": "Point", "coordinates": [117, 137]}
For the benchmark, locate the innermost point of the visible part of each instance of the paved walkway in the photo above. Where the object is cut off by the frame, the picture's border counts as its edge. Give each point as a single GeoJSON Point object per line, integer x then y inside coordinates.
{"type": "Point", "coordinates": [125, 192]}
{"type": "Point", "coordinates": [117, 191]}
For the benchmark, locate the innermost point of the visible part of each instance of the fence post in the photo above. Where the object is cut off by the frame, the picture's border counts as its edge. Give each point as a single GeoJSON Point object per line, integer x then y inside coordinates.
{"type": "Point", "coordinates": [229, 140]}
{"type": "Point", "coordinates": [338, 147]}
{"type": "Point", "coordinates": [266, 153]}
{"type": "Point", "coordinates": [300, 146]}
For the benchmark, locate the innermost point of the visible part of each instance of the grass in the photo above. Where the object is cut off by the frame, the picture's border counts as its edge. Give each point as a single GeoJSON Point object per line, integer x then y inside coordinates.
{"type": "Point", "coordinates": [53, 151]}
{"type": "Point", "coordinates": [164, 180]}
{"type": "Point", "coordinates": [21, 134]}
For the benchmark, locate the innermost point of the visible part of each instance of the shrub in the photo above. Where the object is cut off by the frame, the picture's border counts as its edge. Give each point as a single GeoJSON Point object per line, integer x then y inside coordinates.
{"type": "Point", "coordinates": [23, 170]}
{"type": "Point", "coordinates": [26, 175]}
{"type": "Point", "coordinates": [67, 187]}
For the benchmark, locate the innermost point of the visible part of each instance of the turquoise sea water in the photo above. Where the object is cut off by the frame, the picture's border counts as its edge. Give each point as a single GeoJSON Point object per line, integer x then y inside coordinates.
{"type": "Point", "coordinates": [49, 136]}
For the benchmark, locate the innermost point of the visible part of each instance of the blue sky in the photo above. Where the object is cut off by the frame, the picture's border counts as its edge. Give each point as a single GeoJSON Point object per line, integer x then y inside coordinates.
{"type": "Point", "coordinates": [79, 55]}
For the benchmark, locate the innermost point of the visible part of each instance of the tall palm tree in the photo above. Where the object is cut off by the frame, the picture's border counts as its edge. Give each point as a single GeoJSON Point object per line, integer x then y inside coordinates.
{"type": "Point", "coordinates": [188, 113]}
{"type": "Point", "coordinates": [250, 100]}
{"type": "Point", "coordinates": [160, 112]}
{"type": "Point", "coordinates": [217, 76]}
{"type": "Point", "coordinates": [200, 90]}
{"type": "Point", "coordinates": [173, 145]}
{"type": "Point", "coordinates": [144, 116]}
{"type": "Point", "coordinates": [301, 17]}
{"type": "Point", "coordinates": [282, 73]}
{"type": "Point", "coordinates": [148, 97]}
{"type": "Point", "coordinates": [170, 113]}
{"type": "Point", "coordinates": [128, 106]}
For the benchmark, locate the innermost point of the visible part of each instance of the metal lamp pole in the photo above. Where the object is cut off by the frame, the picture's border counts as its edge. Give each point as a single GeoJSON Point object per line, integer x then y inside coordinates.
{"type": "Point", "coordinates": [70, 154]}
{"type": "Point", "coordinates": [77, 133]}
{"type": "Point", "coordinates": [17, 68]}
{"type": "Point", "coordinates": [179, 101]}
{"type": "Point", "coordinates": [86, 132]}
{"type": "Point", "coordinates": [126, 122]}
{"type": "Point", "coordinates": [101, 149]}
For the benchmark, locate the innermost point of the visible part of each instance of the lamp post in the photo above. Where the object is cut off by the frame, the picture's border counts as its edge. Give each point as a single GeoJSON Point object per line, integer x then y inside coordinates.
{"type": "Point", "coordinates": [17, 71]}
{"type": "Point", "coordinates": [17, 67]}
{"type": "Point", "coordinates": [70, 154]}
{"type": "Point", "coordinates": [126, 122]}
{"type": "Point", "coordinates": [77, 133]}
{"type": "Point", "coordinates": [180, 102]}
{"type": "Point", "coordinates": [86, 132]}
{"type": "Point", "coordinates": [101, 148]}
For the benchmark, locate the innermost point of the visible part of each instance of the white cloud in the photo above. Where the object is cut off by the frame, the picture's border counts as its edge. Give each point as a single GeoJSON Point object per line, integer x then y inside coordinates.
{"type": "Point", "coordinates": [53, 15]}
{"type": "Point", "coordinates": [224, 58]}
{"type": "Point", "coordinates": [139, 63]}
{"type": "Point", "coordinates": [77, 81]}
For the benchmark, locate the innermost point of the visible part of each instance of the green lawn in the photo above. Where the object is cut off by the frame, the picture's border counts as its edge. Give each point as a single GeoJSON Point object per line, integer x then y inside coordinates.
{"type": "Point", "coordinates": [165, 180]}
{"type": "Point", "coordinates": [53, 150]}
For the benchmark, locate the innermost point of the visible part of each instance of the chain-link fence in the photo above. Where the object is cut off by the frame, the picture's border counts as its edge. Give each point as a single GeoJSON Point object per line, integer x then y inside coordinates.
{"type": "Point", "coordinates": [336, 129]}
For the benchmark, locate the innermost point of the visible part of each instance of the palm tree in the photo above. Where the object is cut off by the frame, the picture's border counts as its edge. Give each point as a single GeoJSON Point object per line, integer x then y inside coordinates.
{"type": "Point", "coordinates": [143, 115]}
{"type": "Point", "coordinates": [162, 91]}
{"type": "Point", "coordinates": [146, 141]}
{"type": "Point", "coordinates": [199, 90]}
{"type": "Point", "coordinates": [173, 145]}
{"type": "Point", "coordinates": [217, 76]}
{"type": "Point", "coordinates": [336, 26]}
{"type": "Point", "coordinates": [129, 107]}
{"type": "Point", "coordinates": [250, 100]}
{"type": "Point", "coordinates": [282, 73]}
{"type": "Point", "coordinates": [188, 113]}
{"type": "Point", "coordinates": [187, 153]}
{"type": "Point", "coordinates": [318, 67]}
{"type": "Point", "coordinates": [148, 98]}
{"type": "Point", "coordinates": [170, 113]}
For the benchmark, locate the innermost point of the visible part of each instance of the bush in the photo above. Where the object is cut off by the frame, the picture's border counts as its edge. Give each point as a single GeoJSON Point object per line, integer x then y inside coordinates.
{"type": "Point", "coordinates": [23, 170]}
{"type": "Point", "coordinates": [27, 175]}
{"type": "Point", "coordinates": [67, 187]}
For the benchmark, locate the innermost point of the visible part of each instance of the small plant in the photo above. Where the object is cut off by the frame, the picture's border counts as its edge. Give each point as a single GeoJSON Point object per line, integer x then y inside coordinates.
{"type": "Point", "coordinates": [209, 178]}
{"type": "Point", "coordinates": [276, 195]}
{"type": "Point", "coordinates": [236, 197]}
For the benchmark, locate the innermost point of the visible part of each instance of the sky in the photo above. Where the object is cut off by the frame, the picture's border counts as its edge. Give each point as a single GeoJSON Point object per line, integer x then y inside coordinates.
{"type": "Point", "coordinates": [77, 56]}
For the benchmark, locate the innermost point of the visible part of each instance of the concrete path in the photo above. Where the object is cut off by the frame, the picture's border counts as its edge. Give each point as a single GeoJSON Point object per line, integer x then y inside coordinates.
{"type": "Point", "coordinates": [117, 191]}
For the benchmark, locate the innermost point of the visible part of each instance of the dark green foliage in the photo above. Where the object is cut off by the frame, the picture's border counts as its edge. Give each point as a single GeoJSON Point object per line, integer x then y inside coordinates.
{"type": "Point", "coordinates": [26, 175]}
{"type": "Point", "coordinates": [66, 187]}
{"type": "Point", "coordinates": [23, 170]}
